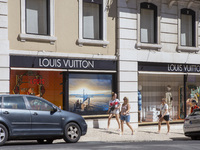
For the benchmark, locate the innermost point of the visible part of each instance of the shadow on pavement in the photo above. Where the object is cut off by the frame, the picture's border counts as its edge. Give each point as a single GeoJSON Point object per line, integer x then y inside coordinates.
{"type": "Point", "coordinates": [181, 139]}
{"type": "Point", "coordinates": [149, 132]}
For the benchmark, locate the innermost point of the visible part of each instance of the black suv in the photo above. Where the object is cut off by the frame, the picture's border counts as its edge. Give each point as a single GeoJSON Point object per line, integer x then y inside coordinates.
{"type": "Point", "coordinates": [34, 118]}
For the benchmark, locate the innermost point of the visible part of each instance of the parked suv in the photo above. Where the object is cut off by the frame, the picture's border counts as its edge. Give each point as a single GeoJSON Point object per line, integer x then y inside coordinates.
{"type": "Point", "coordinates": [34, 118]}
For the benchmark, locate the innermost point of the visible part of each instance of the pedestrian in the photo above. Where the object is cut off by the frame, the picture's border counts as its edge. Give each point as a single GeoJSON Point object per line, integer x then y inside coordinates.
{"type": "Point", "coordinates": [125, 115]}
{"type": "Point", "coordinates": [164, 115]}
{"type": "Point", "coordinates": [194, 105]}
{"type": "Point", "coordinates": [114, 106]}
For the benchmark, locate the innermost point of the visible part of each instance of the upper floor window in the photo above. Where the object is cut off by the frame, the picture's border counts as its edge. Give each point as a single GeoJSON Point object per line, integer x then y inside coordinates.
{"type": "Point", "coordinates": [187, 27]}
{"type": "Point", "coordinates": [148, 23]}
{"type": "Point", "coordinates": [37, 17]}
{"type": "Point", "coordinates": [92, 22]}
{"type": "Point", "coordinates": [92, 19]}
{"type": "Point", "coordinates": [37, 21]}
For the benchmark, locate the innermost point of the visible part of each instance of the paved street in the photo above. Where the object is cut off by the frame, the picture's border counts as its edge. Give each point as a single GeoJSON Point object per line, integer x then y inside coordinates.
{"type": "Point", "coordinates": [167, 145]}
{"type": "Point", "coordinates": [144, 138]}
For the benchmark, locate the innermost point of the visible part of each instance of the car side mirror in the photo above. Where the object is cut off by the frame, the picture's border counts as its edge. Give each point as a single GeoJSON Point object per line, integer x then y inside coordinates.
{"type": "Point", "coordinates": [54, 108]}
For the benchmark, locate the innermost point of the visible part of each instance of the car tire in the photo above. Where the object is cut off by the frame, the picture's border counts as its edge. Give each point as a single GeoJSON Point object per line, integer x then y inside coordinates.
{"type": "Point", "coordinates": [72, 133]}
{"type": "Point", "coordinates": [3, 134]}
{"type": "Point", "coordinates": [194, 137]}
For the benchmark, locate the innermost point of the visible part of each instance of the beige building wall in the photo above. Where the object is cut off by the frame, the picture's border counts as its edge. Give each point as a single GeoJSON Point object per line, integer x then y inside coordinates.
{"type": "Point", "coordinates": [66, 30]}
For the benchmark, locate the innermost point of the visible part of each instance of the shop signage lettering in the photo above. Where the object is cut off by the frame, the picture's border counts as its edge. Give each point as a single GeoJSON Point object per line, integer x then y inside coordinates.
{"type": "Point", "coordinates": [183, 68]}
{"type": "Point", "coordinates": [62, 63]}
{"type": "Point", "coordinates": [37, 81]}
{"type": "Point", "coordinates": [45, 62]}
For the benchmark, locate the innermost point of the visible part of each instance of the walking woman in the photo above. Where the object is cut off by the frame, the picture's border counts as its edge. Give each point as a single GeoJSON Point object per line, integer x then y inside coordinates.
{"type": "Point", "coordinates": [164, 115]}
{"type": "Point", "coordinates": [114, 106]}
{"type": "Point", "coordinates": [125, 115]}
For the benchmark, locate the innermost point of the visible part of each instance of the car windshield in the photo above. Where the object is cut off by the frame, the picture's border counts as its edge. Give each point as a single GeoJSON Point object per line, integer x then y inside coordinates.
{"type": "Point", "coordinates": [196, 112]}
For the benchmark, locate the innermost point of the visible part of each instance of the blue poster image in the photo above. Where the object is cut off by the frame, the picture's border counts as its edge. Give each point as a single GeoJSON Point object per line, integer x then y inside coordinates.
{"type": "Point", "coordinates": [89, 94]}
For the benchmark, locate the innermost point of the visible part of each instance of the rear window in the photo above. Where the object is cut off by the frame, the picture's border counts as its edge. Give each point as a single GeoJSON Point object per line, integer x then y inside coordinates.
{"type": "Point", "coordinates": [14, 102]}
{"type": "Point", "coordinates": [194, 113]}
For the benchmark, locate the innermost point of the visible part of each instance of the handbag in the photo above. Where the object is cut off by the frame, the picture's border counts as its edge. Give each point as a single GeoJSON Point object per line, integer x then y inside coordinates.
{"type": "Point", "coordinates": [112, 108]}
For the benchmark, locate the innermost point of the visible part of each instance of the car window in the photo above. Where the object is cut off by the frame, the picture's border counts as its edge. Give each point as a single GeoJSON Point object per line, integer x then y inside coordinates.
{"type": "Point", "coordinates": [14, 102]}
{"type": "Point", "coordinates": [196, 113]}
{"type": "Point", "coordinates": [0, 102]}
{"type": "Point", "coordinates": [38, 104]}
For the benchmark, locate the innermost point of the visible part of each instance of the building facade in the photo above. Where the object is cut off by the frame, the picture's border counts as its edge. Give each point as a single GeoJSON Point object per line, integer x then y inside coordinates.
{"type": "Point", "coordinates": [65, 52]}
{"type": "Point", "coordinates": [158, 48]}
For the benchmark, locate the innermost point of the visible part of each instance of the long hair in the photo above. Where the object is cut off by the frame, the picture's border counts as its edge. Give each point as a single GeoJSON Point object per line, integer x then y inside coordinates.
{"type": "Point", "coordinates": [126, 101]}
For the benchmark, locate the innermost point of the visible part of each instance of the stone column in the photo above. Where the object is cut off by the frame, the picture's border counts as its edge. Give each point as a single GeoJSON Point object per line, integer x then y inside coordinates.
{"type": "Point", "coordinates": [4, 48]}
{"type": "Point", "coordinates": [128, 66]}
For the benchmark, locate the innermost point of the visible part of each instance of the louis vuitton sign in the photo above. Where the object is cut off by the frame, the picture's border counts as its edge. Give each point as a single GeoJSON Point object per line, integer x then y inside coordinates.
{"type": "Point", "coordinates": [61, 63]}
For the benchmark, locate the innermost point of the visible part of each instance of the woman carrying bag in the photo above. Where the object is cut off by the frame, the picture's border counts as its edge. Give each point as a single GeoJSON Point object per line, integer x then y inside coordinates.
{"type": "Point", "coordinates": [114, 106]}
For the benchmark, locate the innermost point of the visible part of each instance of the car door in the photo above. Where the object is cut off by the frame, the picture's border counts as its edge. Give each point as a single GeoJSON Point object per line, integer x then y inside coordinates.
{"type": "Point", "coordinates": [0, 105]}
{"type": "Point", "coordinates": [15, 112]}
{"type": "Point", "coordinates": [195, 121]}
{"type": "Point", "coordinates": [44, 121]}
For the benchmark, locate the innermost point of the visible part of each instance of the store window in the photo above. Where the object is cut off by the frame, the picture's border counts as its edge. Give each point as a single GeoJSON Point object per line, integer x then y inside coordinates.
{"type": "Point", "coordinates": [148, 23]}
{"type": "Point", "coordinates": [187, 27]}
{"type": "Point", "coordinates": [92, 19]}
{"type": "Point", "coordinates": [89, 94]}
{"type": "Point", "coordinates": [45, 84]}
{"type": "Point", "coordinates": [154, 87]}
{"type": "Point", "coordinates": [192, 91]}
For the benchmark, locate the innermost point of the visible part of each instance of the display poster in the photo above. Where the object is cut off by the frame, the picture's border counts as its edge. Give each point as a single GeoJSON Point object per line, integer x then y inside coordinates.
{"type": "Point", "coordinates": [89, 94]}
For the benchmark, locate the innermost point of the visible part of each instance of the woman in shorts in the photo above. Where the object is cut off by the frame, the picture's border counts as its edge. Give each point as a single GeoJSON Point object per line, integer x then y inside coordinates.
{"type": "Point", "coordinates": [125, 115]}
{"type": "Point", "coordinates": [114, 106]}
{"type": "Point", "coordinates": [164, 115]}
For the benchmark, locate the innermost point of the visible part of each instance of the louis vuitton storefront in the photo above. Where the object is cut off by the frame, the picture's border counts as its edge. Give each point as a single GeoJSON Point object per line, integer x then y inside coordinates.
{"type": "Point", "coordinates": [82, 86]}
{"type": "Point", "coordinates": [178, 83]}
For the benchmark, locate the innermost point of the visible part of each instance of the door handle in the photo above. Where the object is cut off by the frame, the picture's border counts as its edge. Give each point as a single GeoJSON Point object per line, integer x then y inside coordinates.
{"type": "Point", "coordinates": [6, 112]}
{"type": "Point", "coordinates": [35, 113]}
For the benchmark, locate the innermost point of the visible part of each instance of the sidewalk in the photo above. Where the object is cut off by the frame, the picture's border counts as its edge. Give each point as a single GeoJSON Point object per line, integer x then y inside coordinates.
{"type": "Point", "coordinates": [143, 133]}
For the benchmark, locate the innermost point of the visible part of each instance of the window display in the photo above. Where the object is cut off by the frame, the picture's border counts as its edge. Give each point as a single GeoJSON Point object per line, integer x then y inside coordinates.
{"type": "Point", "coordinates": [89, 94]}
{"type": "Point", "coordinates": [154, 88]}
{"type": "Point", "coordinates": [46, 84]}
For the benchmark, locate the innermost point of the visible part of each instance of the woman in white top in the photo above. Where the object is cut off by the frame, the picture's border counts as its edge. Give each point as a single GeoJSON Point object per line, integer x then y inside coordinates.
{"type": "Point", "coordinates": [125, 115]}
{"type": "Point", "coordinates": [164, 115]}
{"type": "Point", "coordinates": [114, 106]}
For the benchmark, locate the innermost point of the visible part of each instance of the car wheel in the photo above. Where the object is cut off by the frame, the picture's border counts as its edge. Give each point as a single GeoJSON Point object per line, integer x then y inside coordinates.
{"type": "Point", "coordinates": [3, 134]}
{"type": "Point", "coordinates": [194, 137]}
{"type": "Point", "coordinates": [72, 133]}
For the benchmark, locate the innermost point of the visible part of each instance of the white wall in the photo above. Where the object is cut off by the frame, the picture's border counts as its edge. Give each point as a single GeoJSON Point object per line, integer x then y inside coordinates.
{"type": "Point", "coordinates": [4, 48]}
